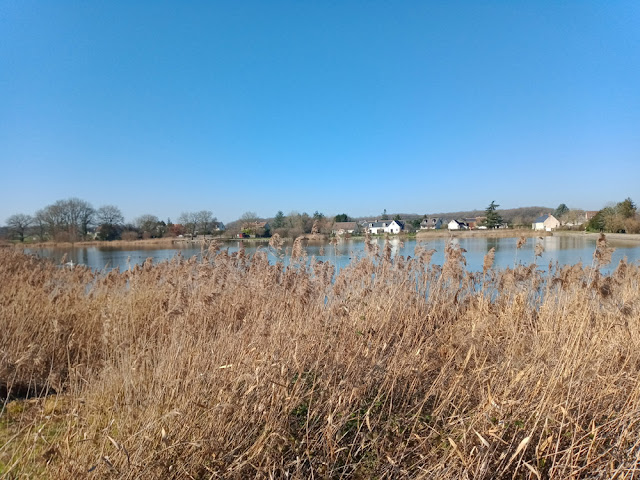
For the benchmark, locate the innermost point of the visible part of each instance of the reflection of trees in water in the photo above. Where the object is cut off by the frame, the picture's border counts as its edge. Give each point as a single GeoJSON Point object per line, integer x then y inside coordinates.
{"type": "Point", "coordinates": [561, 249]}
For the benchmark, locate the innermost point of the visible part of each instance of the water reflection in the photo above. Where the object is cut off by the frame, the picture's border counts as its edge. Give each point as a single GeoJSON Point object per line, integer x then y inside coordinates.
{"type": "Point", "coordinates": [564, 250]}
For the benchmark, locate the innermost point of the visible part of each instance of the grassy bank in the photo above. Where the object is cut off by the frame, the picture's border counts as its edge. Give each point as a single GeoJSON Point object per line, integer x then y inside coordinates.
{"type": "Point", "coordinates": [614, 237]}
{"type": "Point", "coordinates": [234, 368]}
{"type": "Point", "coordinates": [499, 233]}
{"type": "Point", "coordinates": [148, 242]}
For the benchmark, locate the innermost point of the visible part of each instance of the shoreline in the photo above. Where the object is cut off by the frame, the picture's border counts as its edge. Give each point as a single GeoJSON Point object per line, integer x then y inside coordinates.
{"type": "Point", "coordinates": [499, 233]}
{"type": "Point", "coordinates": [616, 237]}
{"type": "Point", "coordinates": [173, 242]}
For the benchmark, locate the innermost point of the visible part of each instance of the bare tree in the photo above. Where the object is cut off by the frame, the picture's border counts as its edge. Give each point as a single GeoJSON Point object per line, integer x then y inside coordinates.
{"type": "Point", "coordinates": [52, 218]}
{"type": "Point", "coordinates": [189, 221]}
{"type": "Point", "coordinates": [110, 221]}
{"type": "Point", "coordinates": [109, 215]}
{"type": "Point", "coordinates": [71, 217]}
{"type": "Point", "coordinates": [18, 224]}
{"type": "Point", "coordinates": [205, 221]}
{"type": "Point", "coordinates": [86, 215]}
{"type": "Point", "coordinates": [249, 217]}
{"type": "Point", "coordinates": [40, 220]}
{"type": "Point", "coordinates": [148, 224]}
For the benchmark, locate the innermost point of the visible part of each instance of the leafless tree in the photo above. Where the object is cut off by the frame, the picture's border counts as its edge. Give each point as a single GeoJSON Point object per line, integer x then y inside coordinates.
{"type": "Point", "coordinates": [189, 221]}
{"type": "Point", "coordinates": [18, 224]}
{"type": "Point", "coordinates": [109, 215]}
{"type": "Point", "coordinates": [71, 217]}
{"type": "Point", "coordinates": [205, 221]}
{"type": "Point", "coordinates": [40, 221]}
{"type": "Point", "coordinates": [148, 224]}
{"type": "Point", "coordinates": [249, 217]}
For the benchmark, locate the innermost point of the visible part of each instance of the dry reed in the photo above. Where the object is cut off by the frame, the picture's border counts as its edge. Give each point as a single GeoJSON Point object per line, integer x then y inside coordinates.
{"type": "Point", "coordinates": [233, 367]}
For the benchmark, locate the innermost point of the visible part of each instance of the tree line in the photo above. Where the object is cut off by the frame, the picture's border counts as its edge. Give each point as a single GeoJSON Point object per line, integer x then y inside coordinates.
{"type": "Point", "coordinates": [73, 219]}
{"type": "Point", "coordinates": [616, 218]}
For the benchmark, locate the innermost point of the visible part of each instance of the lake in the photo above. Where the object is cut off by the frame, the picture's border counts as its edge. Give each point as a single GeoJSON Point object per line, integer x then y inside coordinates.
{"type": "Point", "coordinates": [562, 249]}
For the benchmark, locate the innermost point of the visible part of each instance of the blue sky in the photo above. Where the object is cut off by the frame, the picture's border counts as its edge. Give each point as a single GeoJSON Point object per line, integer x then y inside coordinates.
{"type": "Point", "coordinates": [337, 106]}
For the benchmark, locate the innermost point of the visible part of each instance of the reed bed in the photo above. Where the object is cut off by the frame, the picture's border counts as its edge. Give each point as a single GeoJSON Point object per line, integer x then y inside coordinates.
{"type": "Point", "coordinates": [235, 367]}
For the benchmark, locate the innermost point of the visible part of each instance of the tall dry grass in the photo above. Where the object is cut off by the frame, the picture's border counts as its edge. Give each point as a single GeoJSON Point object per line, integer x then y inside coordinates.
{"type": "Point", "coordinates": [232, 367]}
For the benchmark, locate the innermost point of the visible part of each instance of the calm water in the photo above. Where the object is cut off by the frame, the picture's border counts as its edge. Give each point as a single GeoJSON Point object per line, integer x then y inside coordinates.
{"type": "Point", "coordinates": [564, 250]}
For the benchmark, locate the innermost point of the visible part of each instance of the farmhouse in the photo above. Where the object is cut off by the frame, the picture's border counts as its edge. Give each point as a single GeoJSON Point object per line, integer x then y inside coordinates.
{"type": "Point", "coordinates": [431, 223]}
{"type": "Point", "coordinates": [342, 228]}
{"type": "Point", "coordinates": [457, 225]}
{"type": "Point", "coordinates": [545, 222]}
{"type": "Point", "coordinates": [385, 226]}
{"type": "Point", "coordinates": [471, 222]}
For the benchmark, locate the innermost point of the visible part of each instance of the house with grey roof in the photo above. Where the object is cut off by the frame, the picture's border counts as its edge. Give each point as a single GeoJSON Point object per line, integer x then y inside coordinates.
{"type": "Point", "coordinates": [431, 223]}
{"type": "Point", "coordinates": [342, 228]}
{"type": "Point", "coordinates": [545, 222]}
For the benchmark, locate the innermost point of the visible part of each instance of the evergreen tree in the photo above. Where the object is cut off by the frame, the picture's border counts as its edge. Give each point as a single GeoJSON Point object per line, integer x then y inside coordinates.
{"type": "Point", "coordinates": [626, 208]}
{"type": "Point", "coordinates": [278, 221]}
{"type": "Point", "coordinates": [561, 210]}
{"type": "Point", "coordinates": [493, 218]}
{"type": "Point", "coordinates": [342, 217]}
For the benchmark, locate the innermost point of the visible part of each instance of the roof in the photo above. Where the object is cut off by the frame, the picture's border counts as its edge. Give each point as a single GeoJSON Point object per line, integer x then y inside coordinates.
{"type": "Point", "coordinates": [541, 218]}
{"type": "Point", "coordinates": [345, 226]}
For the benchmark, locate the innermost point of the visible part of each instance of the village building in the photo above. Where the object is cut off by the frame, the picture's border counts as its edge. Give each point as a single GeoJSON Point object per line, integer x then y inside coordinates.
{"type": "Point", "coordinates": [457, 225]}
{"type": "Point", "coordinates": [545, 222]}
{"type": "Point", "coordinates": [589, 214]}
{"type": "Point", "coordinates": [431, 223]}
{"type": "Point", "coordinates": [472, 223]}
{"type": "Point", "coordinates": [385, 226]}
{"type": "Point", "coordinates": [343, 228]}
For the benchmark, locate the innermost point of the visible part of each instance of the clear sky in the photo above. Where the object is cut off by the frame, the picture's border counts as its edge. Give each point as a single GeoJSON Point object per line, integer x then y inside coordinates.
{"type": "Point", "coordinates": [338, 106]}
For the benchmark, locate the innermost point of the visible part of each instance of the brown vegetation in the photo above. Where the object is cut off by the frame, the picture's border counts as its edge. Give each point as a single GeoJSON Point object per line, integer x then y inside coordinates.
{"type": "Point", "coordinates": [393, 368]}
{"type": "Point", "coordinates": [134, 242]}
{"type": "Point", "coordinates": [493, 233]}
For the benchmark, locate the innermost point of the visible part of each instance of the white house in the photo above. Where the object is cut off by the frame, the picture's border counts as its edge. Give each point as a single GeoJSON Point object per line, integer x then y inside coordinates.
{"type": "Point", "coordinates": [545, 222]}
{"type": "Point", "coordinates": [385, 226]}
{"type": "Point", "coordinates": [457, 225]}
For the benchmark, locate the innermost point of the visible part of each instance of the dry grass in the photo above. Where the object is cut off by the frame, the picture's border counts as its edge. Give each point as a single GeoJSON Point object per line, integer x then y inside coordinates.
{"type": "Point", "coordinates": [138, 243]}
{"type": "Point", "coordinates": [493, 233]}
{"type": "Point", "coordinates": [235, 368]}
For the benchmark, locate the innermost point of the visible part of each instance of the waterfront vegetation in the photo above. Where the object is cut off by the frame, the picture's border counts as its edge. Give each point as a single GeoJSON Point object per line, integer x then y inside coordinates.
{"type": "Point", "coordinates": [233, 367]}
{"type": "Point", "coordinates": [74, 221]}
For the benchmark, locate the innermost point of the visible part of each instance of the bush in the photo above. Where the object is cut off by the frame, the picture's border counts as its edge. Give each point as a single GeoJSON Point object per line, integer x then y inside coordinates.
{"type": "Point", "coordinates": [632, 225]}
{"type": "Point", "coordinates": [130, 235]}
